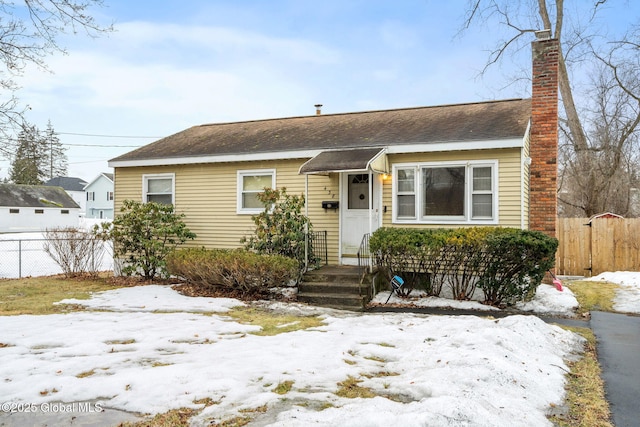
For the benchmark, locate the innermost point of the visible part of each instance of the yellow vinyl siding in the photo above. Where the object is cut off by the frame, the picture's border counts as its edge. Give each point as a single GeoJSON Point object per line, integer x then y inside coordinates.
{"type": "Point", "coordinates": [207, 195]}
{"type": "Point", "coordinates": [325, 188]}
{"type": "Point", "coordinates": [509, 193]}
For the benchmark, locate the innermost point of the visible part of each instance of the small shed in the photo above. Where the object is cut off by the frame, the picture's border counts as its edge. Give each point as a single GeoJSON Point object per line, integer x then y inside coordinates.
{"type": "Point", "coordinates": [32, 208]}
{"type": "Point", "coordinates": [604, 215]}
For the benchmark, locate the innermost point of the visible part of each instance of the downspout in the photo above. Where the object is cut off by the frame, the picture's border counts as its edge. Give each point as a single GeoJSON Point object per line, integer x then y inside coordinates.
{"type": "Point", "coordinates": [306, 224]}
{"type": "Point", "coordinates": [370, 202]}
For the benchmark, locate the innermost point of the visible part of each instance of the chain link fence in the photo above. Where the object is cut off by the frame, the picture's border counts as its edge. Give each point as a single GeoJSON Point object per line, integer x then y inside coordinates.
{"type": "Point", "coordinates": [27, 257]}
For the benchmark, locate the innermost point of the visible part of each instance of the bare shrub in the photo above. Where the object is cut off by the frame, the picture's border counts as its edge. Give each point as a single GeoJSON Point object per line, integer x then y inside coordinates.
{"type": "Point", "coordinates": [75, 251]}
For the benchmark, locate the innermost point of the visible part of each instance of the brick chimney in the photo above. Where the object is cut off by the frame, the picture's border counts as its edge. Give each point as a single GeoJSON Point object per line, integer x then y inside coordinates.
{"type": "Point", "coordinates": [543, 205]}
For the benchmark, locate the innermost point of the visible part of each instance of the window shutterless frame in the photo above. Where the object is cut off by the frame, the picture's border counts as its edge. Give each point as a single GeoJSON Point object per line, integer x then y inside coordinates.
{"type": "Point", "coordinates": [159, 188]}
{"type": "Point", "coordinates": [461, 192]}
{"type": "Point", "coordinates": [249, 184]}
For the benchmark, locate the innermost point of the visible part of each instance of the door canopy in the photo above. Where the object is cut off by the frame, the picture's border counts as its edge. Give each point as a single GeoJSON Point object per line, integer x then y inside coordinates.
{"type": "Point", "coordinates": [354, 160]}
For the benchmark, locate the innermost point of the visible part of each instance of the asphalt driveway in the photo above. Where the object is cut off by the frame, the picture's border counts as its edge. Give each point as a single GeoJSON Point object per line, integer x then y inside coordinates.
{"type": "Point", "coordinates": [618, 347]}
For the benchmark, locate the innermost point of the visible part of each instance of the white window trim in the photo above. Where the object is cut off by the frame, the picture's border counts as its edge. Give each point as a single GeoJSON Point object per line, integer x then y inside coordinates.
{"type": "Point", "coordinates": [466, 218]}
{"type": "Point", "coordinates": [147, 177]}
{"type": "Point", "coordinates": [239, 185]}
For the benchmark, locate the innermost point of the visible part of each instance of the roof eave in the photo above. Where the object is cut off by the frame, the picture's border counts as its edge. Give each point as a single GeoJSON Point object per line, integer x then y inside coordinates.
{"type": "Point", "coordinates": [420, 147]}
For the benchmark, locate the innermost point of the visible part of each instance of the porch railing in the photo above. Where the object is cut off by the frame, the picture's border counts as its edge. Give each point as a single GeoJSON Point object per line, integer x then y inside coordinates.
{"type": "Point", "coordinates": [364, 257]}
{"type": "Point", "coordinates": [318, 248]}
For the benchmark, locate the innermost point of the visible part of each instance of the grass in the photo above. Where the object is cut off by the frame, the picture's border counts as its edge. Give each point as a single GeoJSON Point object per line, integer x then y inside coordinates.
{"type": "Point", "coordinates": [273, 323]}
{"type": "Point", "coordinates": [174, 418]}
{"type": "Point", "coordinates": [283, 387]}
{"type": "Point", "coordinates": [351, 389]}
{"type": "Point", "coordinates": [36, 295]}
{"type": "Point", "coordinates": [181, 417]}
{"type": "Point", "coordinates": [593, 295]}
{"type": "Point", "coordinates": [585, 389]}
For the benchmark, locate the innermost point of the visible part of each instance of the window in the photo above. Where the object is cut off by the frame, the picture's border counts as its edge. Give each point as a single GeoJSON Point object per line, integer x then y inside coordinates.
{"type": "Point", "coordinates": [250, 184]}
{"type": "Point", "coordinates": [482, 193]}
{"type": "Point", "coordinates": [358, 191]}
{"type": "Point", "coordinates": [445, 192]}
{"type": "Point", "coordinates": [64, 211]}
{"type": "Point", "coordinates": [406, 193]}
{"type": "Point", "coordinates": [159, 188]}
{"type": "Point", "coordinates": [109, 195]}
{"type": "Point", "coordinates": [91, 196]}
{"type": "Point", "coordinates": [14, 211]}
{"type": "Point", "coordinates": [39, 211]}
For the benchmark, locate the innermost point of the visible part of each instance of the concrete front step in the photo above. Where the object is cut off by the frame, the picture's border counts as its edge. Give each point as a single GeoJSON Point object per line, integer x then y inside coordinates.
{"type": "Point", "coordinates": [342, 288]}
{"type": "Point", "coordinates": [334, 274]}
{"type": "Point", "coordinates": [335, 287]}
{"type": "Point", "coordinates": [339, 301]}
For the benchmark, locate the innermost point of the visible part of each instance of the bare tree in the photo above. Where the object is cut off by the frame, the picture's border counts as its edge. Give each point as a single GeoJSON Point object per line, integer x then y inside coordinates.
{"type": "Point", "coordinates": [604, 178]}
{"type": "Point", "coordinates": [596, 142]}
{"type": "Point", "coordinates": [29, 33]}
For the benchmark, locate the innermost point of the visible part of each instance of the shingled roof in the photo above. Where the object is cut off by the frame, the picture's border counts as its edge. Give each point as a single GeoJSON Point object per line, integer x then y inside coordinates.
{"type": "Point", "coordinates": [475, 122]}
{"type": "Point", "coordinates": [68, 183]}
{"type": "Point", "coordinates": [37, 196]}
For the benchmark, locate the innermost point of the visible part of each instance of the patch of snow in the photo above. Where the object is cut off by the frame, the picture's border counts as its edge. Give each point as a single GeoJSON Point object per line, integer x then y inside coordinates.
{"type": "Point", "coordinates": [438, 370]}
{"type": "Point", "coordinates": [420, 299]}
{"type": "Point", "coordinates": [153, 298]}
{"type": "Point", "coordinates": [627, 298]}
{"type": "Point", "coordinates": [547, 301]}
{"type": "Point", "coordinates": [550, 301]}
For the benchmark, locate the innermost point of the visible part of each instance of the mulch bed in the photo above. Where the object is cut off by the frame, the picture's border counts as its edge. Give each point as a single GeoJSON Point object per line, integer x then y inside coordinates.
{"type": "Point", "coordinates": [198, 290]}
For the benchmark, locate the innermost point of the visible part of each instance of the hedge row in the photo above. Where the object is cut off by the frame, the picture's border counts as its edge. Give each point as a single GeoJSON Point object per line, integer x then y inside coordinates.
{"type": "Point", "coordinates": [507, 264]}
{"type": "Point", "coordinates": [235, 269]}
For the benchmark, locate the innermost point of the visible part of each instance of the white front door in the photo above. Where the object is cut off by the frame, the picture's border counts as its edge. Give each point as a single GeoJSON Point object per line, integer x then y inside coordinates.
{"type": "Point", "coordinates": [359, 211]}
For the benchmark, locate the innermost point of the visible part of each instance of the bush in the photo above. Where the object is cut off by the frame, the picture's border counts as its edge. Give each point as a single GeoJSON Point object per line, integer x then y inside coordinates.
{"type": "Point", "coordinates": [144, 234]}
{"type": "Point", "coordinates": [507, 264]}
{"type": "Point", "coordinates": [517, 261]}
{"type": "Point", "coordinates": [75, 251]}
{"type": "Point", "coordinates": [233, 269]}
{"type": "Point", "coordinates": [282, 229]}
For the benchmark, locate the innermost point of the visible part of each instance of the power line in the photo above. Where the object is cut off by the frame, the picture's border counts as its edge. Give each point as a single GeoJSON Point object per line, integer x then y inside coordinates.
{"type": "Point", "coordinates": [103, 145]}
{"type": "Point", "coordinates": [108, 136]}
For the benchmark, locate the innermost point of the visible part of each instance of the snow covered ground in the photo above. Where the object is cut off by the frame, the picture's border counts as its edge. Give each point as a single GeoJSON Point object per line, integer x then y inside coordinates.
{"type": "Point", "coordinates": [547, 301]}
{"type": "Point", "coordinates": [149, 349]}
{"type": "Point", "coordinates": [627, 298]}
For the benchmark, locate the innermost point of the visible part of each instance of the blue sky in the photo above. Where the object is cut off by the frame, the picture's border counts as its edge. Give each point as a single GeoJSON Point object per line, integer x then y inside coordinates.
{"type": "Point", "coordinates": [174, 64]}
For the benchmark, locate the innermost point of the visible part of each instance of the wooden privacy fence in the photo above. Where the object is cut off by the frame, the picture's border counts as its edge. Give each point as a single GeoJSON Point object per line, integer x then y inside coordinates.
{"type": "Point", "coordinates": [588, 248]}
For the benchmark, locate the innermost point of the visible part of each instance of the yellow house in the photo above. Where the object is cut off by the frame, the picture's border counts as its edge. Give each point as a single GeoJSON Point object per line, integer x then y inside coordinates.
{"type": "Point", "coordinates": [452, 165]}
{"type": "Point", "coordinates": [443, 166]}
{"type": "Point", "coordinates": [488, 163]}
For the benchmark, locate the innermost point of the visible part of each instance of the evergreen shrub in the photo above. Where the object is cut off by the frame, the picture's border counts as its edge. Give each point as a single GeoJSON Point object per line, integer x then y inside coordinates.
{"type": "Point", "coordinates": [233, 269]}
{"type": "Point", "coordinates": [507, 264]}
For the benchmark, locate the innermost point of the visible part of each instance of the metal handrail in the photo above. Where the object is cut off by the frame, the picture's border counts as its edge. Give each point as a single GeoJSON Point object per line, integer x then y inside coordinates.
{"type": "Point", "coordinates": [317, 248]}
{"type": "Point", "coordinates": [364, 257]}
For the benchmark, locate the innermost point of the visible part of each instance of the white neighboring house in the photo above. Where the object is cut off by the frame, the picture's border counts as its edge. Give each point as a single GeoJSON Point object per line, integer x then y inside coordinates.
{"type": "Point", "coordinates": [74, 187]}
{"type": "Point", "coordinates": [99, 197]}
{"type": "Point", "coordinates": [30, 208]}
